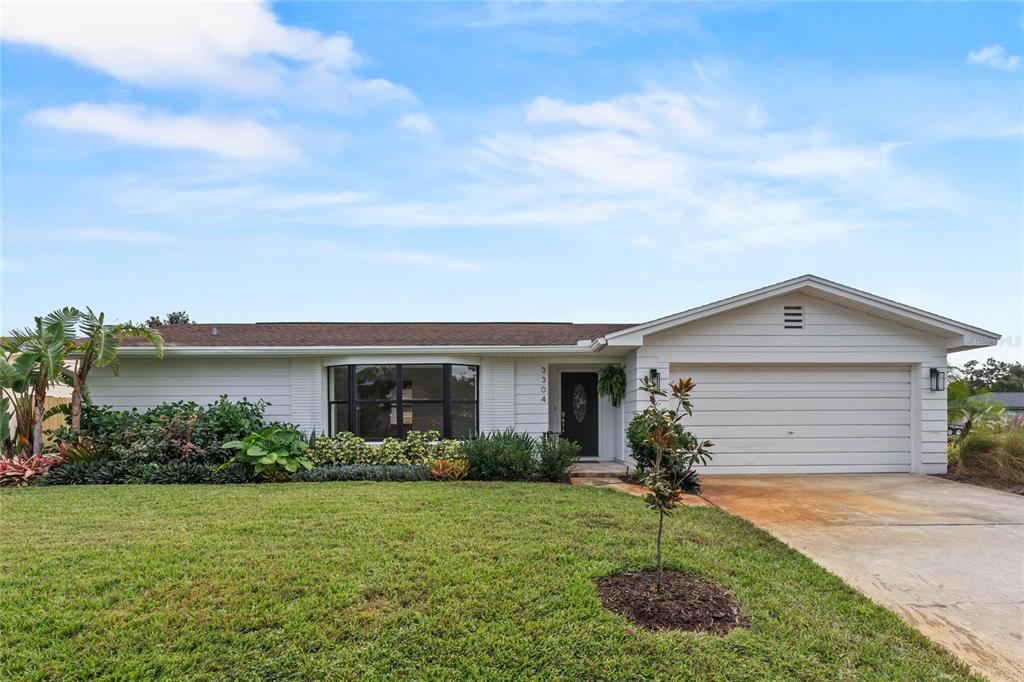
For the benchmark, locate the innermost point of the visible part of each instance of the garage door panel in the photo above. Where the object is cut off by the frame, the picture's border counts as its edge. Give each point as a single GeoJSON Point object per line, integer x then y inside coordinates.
{"type": "Point", "coordinates": [803, 418]}
{"type": "Point", "coordinates": [808, 459]}
{"type": "Point", "coordinates": [783, 445]}
{"type": "Point", "coordinates": [784, 374]}
{"type": "Point", "coordinates": [804, 431]}
{"type": "Point", "coordinates": [807, 403]}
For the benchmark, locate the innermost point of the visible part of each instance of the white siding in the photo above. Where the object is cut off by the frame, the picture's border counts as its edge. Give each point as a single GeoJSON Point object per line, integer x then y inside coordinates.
{"type": "Point", "coordinates": [497, 394]}
{"type": "Point", "coordinates": [145, 383]}
{"type": "Point", "coordinates": [791, 418]}
{"type": "Point", "coordinates": [307, 396]}
{"type": "Point", "coordinates": [831, 334]}
{"type": "Point", "coordinates": [532, 395]}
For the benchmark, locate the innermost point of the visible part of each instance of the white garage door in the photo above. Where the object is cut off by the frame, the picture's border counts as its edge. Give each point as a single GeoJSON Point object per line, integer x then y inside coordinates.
{"type": "Point", "coordinates": [793, 419]}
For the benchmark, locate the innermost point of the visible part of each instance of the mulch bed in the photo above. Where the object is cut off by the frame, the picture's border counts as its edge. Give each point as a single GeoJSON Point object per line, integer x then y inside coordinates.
{"type": "Point", "coordinates": [685, 602]}
{"type": "Point", "coordinates": [996, 483]}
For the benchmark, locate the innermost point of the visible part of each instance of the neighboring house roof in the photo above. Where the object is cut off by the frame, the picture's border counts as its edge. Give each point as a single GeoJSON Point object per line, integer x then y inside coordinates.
{"type": "Point", "coordinates": [363, 334]}
{"type": "Point", "coordinates": [1011, 400]}
{"type": "Point", "coordinates": [562, 337]}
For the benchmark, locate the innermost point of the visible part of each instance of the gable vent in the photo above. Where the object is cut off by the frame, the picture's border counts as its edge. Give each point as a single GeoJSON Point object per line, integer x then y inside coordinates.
{"type": "Point", "coordinates": [793, 316]}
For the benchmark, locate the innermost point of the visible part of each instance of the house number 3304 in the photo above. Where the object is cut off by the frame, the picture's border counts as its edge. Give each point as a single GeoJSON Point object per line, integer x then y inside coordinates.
{"type": "Point", "coordinates": [543, 384]}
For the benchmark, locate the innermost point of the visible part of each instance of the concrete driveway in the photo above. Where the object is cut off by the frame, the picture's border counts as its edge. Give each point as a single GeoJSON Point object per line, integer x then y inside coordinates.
{"type": "Point", "coordinates": [947, 557]}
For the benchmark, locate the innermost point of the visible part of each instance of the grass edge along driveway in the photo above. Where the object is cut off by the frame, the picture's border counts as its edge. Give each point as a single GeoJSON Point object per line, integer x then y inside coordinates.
{"type": "Point", "coordinates": [408, 580]}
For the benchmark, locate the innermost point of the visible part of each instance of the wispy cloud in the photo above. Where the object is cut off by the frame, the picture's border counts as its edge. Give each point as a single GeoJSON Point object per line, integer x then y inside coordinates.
{"type": "Point", "coordinates": [418, 123]}
{"type": "Point", "coordinates": [227, 138]}
{"type": "Point", "coordinates": [994, 57]}
{"type": "Point", "coordinates": [238, 47]}
{"type": "Point", "coordinates": [97, 235]}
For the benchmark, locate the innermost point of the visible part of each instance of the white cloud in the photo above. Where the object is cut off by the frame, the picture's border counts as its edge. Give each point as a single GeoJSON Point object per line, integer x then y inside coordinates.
{"type": "Point", "coordinates": [227, 138]}
{"type": "Point", "coordinates": [88, 235]}
{"type": "Point", "coordinates": [994, 57]}
{"type": "Point", "coordinates": [418, 123]}
{"type": "Point", "coordinates": [239, 47]}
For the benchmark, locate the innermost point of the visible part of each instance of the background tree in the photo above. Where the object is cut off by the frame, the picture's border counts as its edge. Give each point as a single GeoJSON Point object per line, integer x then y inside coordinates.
{"type": "Point", "coordinates": [98, 346]}
{"type": "Point", "coordinates": [179, 317]}
{"type": "Point", "coordinates": [994, 376]}
{"type": "Point", "coordinates": [676, 451]}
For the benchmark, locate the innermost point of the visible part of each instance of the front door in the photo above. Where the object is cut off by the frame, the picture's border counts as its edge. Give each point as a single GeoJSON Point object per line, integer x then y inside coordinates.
{"type": "Point", "coordinates": [579, 410]}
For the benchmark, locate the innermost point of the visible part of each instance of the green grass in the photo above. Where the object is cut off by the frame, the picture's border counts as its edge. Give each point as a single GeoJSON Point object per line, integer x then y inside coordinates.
{"type": "Point", "coordinates": [410, 581]}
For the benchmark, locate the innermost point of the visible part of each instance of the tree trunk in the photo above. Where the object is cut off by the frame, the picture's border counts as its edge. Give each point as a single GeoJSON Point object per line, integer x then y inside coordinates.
{"type": "Point", "coordinates": [76, 408]}
{"type": "Point", "coordinates": [661, 525]}
{"type": "Point", "coordinates": [37, 422]}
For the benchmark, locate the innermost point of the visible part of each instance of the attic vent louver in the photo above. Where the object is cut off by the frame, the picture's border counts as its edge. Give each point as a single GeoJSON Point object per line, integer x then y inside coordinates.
{"type": "Point", "coordinates": [793, 316]}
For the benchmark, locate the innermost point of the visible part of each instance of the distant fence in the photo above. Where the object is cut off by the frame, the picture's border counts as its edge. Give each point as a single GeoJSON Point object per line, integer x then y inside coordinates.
{"type": "Point", "coordinates": [53, 422]}
{"type": "Point", "coordinates": [58, 419]}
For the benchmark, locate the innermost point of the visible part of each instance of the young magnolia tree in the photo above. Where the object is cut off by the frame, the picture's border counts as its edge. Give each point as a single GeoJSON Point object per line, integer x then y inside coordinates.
{"type": "Point", "coordinates": [675, 451]}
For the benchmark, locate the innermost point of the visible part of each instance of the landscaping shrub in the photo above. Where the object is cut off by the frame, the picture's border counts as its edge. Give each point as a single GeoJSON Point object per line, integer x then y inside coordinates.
{"type": "Point", "coordinates": [98, 472]}
{"type": "Point", "coordinates": [273, 452]}
{"type": "Point", "coordinates": [555, 456]}
{"type": "Point", "coordinates": [180, 473]}
{"type": "Point", "coordinates": [16, 472]}
{"type": "Point", "coordinates": [990, 454]}
{"type": "Point", "coordinates": [637, 434]}
{"type": "Point", "coordinates": [364, 472]}
{"type": "Point", "coordinates": [501, 456]}
{"type": "Point", "coordinates": [170, 432]}
{"type": "Point", "coordinates": [343, 448]}
{"type": "Point", "coordinates": [418, 447]}
{"type": "Point", "coordinates": [449, 469]}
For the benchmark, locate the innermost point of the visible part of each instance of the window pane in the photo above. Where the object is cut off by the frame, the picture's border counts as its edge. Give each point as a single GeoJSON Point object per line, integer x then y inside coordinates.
{"type": "Point", "coordinates": [339, 383]}
{"type": "Point", "coordinates": [423, 417]}
{"type": "Point", "coordinates": [463, 420]}
{"type": "Point", "coordinates": [422, 382]}
{"type": "Point", "coordinates": [375, 421]}
{"type": "Point", "coordinates": [463, 382]}
{"type": "Point", "coordinates": [339, 417]}
{"type": "Point", "coordinates": [375, 382]}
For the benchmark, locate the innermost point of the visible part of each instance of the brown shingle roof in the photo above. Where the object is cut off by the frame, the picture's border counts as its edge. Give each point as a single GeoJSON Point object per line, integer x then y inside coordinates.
{"type": "Point", "coordinates": [382, 334]}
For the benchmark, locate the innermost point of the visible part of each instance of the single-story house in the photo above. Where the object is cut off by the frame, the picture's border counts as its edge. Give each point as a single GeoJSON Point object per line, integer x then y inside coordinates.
{"type": "Point", "coordinates": [802, 376]}
{"type": "Point", "coordinates": [1013, 401]}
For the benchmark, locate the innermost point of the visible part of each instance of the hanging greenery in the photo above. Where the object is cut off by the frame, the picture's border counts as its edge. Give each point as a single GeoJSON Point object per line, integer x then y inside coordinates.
{"type": "Point", "coordinates": [611, 382]}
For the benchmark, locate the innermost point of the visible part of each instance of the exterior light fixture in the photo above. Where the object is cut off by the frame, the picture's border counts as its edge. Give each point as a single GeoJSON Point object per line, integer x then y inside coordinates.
{"type": "Point", "coordinates": [655, 378]}
{"type": "Point", "coordinates": [938, 379]}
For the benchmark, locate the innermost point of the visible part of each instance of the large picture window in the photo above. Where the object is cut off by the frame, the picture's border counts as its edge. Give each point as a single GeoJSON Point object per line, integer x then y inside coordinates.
{"type": "Point", "coordinates": [377, 401]}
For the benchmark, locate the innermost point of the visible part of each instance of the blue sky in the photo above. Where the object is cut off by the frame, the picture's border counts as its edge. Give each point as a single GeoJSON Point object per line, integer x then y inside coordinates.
{"type": "Point", "coordinates": [584, 162]}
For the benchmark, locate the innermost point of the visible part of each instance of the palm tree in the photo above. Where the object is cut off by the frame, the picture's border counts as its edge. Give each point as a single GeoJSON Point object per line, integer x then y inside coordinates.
{"type": "Point", "coordinates": [97, 347]}
{"type": "Point", "coordinates": [37, 354]}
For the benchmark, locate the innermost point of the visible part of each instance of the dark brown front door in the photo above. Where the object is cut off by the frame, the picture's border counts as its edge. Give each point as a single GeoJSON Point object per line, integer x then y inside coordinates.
{"type": "Point", "coordinates": [579, 410]}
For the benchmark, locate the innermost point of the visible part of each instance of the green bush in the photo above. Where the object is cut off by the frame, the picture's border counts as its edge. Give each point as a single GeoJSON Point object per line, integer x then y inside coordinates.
{"type": "Point", "coordinates": [501, 456]}
{"type": "Point", "coordinates": [170, 432]}
{"type": "Point", "coordinates": [555, 456]}
{"type": "Point", "coordinates": [990, 454]}
{"type": "Point", "coordinates": [343, 448]}
{"type": "Point", "coordinates": [273, 452]}
{"type": "Point", "coordinates": [364, 472]}
{"type": "Point", "coordinates": [417, 448]}
{"type": "Point", "coordinates": [644, 455]}
{"type": "Point", "coordinates": [180, 473]}
{"type": "Point", "coordinates": [98, 472]}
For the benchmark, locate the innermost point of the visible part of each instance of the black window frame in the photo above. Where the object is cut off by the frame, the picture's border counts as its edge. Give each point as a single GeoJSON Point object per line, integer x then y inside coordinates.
{"type": "Point", "coordinates": [398, 403]}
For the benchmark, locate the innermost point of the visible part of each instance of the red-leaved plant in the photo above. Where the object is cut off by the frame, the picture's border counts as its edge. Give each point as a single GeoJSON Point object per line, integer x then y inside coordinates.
{"type": "Point", "coordinates": [17, 472]}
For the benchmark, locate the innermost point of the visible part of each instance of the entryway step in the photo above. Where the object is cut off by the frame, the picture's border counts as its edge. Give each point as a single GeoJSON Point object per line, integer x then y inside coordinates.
{"type": "Point", "coordinates": [598, 470]}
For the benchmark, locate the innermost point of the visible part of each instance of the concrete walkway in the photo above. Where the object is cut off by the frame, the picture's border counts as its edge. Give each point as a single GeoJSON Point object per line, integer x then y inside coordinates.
{"type": "Point", "coordinates": [947, 557]}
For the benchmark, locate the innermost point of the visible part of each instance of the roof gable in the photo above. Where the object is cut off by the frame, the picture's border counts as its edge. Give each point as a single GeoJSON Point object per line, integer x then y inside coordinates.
{"type": "Point", "coordinates": [961, 336]}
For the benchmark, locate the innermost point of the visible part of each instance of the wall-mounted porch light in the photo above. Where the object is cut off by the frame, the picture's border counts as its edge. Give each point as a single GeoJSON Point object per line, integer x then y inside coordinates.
{"type": "Point", "coordinates": [938, 378]}
{"type": "Point", "coordinates": [655, 378]}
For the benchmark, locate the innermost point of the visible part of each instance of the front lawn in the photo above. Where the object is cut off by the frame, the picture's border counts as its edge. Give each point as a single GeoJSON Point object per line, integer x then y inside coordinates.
{"type": "Point", "coordinates": [407, 580]}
